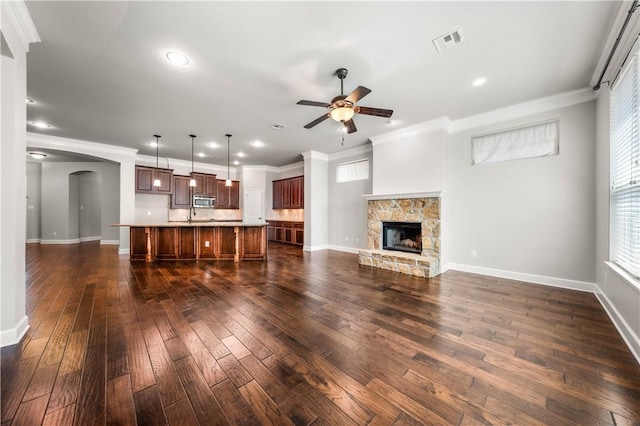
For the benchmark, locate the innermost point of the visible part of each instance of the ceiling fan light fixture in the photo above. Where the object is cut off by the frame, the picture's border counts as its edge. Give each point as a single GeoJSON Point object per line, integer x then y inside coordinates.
{"type": "Point", "coordinates": [342, 114]}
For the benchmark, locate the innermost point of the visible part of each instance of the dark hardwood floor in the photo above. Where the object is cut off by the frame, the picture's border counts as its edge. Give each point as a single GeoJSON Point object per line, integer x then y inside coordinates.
{"type": "Point", "coordinates": [305, 338]}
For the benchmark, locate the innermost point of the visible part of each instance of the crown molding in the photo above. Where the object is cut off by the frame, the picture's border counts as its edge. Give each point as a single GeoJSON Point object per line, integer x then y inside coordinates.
{"type": "Point", "coordinates": [289, 167]}
{"type": "Point", "coordinates": [315, 155]}
{"type": "Point", "coordinates": [95, 149]}
{"type": "Point", "coordinates": [174, 162]}
{"type": "Point", "coordinates": [351, 152]}
{"type": "Point", "coordinates": [21, 21]}
{"type": "Point", "coordinates": [441, 123]}
{"type": "Point", "coordinates": [536, 106]}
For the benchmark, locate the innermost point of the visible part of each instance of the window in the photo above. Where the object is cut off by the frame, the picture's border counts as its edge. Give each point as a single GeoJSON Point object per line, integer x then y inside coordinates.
{"type": "Point", "coordinates": [625, 170]}
{"type": "Point", "coordinates": [536, 140]}
{"type": "Point", "coordinates": [353, 170]}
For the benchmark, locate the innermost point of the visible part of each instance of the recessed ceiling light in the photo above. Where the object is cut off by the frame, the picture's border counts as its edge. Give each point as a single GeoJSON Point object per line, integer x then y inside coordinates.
{"type": "Point", "coordinates": [478, 82]}
{"type": "Point", "coordinates": [213, 145]}
{"type": "Point", "coordinates": [200, 154]}
{"type": "Point", "coordinates": [40, 125]}
{"type": "Point", "coordinates": [236, 162]}
{"type": "Point", "coordinates": [37, 155]}
{"type": "Point", "coordinates": [30, 101]}
{"type": "Point", "coordinates": [257, 144]}
{"type": "Point", "coordinates": [177, 59]}
{"type": "Point", "coordinates": [241, 154]}
{"type": "Point", "coordinates": [153, 144]}
{"type": "Point", "coordinates": [278, 126]}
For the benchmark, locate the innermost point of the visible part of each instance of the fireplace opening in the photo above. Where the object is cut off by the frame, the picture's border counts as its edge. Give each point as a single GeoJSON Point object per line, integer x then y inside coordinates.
{"type": "Point", "coordinates": [402, 236]}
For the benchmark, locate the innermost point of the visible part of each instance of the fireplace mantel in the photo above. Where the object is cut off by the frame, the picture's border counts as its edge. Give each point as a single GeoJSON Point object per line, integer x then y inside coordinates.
{"type": "Point", "coordinates": [403, 196]}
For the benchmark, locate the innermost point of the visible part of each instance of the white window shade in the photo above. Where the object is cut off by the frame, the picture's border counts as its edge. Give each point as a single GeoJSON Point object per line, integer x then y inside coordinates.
{"type": "Point", "coordinates": [537, 140]}
{"type": "Point", "coordinates": [625, 170]}
{"type": "Point", "coordinates": [354, 170]}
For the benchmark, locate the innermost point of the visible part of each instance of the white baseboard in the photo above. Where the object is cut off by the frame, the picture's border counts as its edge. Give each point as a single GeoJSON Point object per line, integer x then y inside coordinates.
{"type": "Point", "coordinates": [521, 276]}
{"type": "Point", "coordinates": [109, 242]}
{"type": "Point", "coordinates": [627, 333]}
{"type": "Point", "coordinates": [124, 251]}
{"type": "Point", "coordinates": [344, 249]}
{"type": "Point", "coordinates": [625, 330]}
{"type": "Point", "coordinates": [85, 239]}
{"type": "Point", "coordinates": [13, 335]}
{"type": "Point", "coordinates": [72, 241]}
{"type": "Point", "coordinates": [33, 240]}
{"type": "Point", "coordinates": [316, 248]}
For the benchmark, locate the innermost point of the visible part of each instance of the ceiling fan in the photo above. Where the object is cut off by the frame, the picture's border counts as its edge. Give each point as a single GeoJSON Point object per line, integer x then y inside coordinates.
{"type": "Point", "coordinates": [342, 108]}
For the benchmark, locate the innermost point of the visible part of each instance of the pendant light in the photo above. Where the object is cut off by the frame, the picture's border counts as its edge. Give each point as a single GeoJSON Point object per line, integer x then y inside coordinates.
{"type": "Point", "coordinates": [192, 182]}
{"type": "Point", "coordinates": [156, 181]}
{"type": "Point", "coordinates": [228, 181]}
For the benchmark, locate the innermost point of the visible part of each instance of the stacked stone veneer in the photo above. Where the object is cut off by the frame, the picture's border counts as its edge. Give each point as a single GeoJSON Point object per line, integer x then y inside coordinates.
{"type": "Point", "coordinates": [423, 210]}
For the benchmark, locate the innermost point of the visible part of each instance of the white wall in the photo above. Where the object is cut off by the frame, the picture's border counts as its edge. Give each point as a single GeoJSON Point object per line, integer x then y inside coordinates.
{"type": "Point", "coordinates": [316, 201]}
{"type": "Point", "coordinates": [532, 216]}
{"type": "Point", "coordinates": [17, 31]}
{"type": "Point", "coordinates": [347, 208]}
{"type": "Point", "coordinates": [412, 163]}
{"type": "Point", "coordinates": [90, 206]}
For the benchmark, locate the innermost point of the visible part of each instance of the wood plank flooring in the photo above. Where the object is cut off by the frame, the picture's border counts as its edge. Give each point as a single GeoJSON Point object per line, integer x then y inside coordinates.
{"type": "Point", "coordinates": [305, 338]}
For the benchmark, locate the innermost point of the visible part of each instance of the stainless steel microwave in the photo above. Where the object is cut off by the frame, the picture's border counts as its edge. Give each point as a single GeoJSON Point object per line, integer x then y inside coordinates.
{"type": "Point", "coordinates": [204, 201]}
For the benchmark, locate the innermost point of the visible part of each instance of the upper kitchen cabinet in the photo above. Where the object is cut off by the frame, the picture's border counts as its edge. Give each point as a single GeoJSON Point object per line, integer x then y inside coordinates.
{"type": "Point", "coordinates": [288, 193]}
{"type": "Point", "coordinates": [227, 197]}
{"type": "Point", "coordinates": [205, 184]}
{"type": "Point", "coordinates": [145, 177]}
{"type": "Point", "coordinates": [181, 198]}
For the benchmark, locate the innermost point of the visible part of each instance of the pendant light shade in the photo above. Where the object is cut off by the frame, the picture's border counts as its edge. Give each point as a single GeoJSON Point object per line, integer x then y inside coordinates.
{"type": "Point", "coordinates": [192, 182]}
{"type": "Point", "coordinates": [228, 181]}
{"type": "Point", "coordinates": [156, 181]}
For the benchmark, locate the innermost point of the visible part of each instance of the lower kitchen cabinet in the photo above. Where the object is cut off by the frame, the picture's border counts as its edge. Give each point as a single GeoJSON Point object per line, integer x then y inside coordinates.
{"type": "Point", "coordinates": [187, 243]}
{"type": "Point", "coordinates": [206, 243]}
{"type": "Point", "coordinates": [286, 232]}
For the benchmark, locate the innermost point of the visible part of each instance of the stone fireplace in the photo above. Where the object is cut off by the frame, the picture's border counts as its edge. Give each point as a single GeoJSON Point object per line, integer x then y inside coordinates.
{"type": "Point", "coordinates": [404, 233]}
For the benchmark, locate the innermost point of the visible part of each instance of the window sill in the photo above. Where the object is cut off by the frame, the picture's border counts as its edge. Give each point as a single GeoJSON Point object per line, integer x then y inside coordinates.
{"type": "Point", "coordinates": [624, 275]}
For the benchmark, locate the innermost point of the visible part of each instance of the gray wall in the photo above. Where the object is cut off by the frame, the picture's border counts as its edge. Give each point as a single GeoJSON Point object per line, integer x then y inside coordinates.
{"type": "Point", "coordinates": [531, 216]}
{"type": "Point", "coordinates": [89, 205]}
{"type": "Point", "coordinates": [34, 184]}
{"type": "Point", "coordinates": [347, 209]}
{"type": "Point", "coordinates": [59, 211]}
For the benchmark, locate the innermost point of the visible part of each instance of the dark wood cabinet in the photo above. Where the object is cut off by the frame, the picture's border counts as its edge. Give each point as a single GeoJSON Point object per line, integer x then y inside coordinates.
{"type": "Point", "coordinates": [145, 177]}
{"type": "Point", "coordinates": [181, 197]}
{"type": "Point", "coordinates": [228, 197]}
{"type": "Point", "coordinates": [165, 243]}
{"type": "Point", "coordinates": [253, 243]}
{"type": "Point", "coordinates": [286, 232]}
{"type": "Point", "coordinates": [207, 240]}
{"type": "Point", "coordinates": [288, 193]}
{"type": "Point", "coordinates": [138, 243]}
{"type": "Point", "coordinates": [205, 184]}
{"type": "Point", "coordinates": [187, 243]}
{"type": "Point", "coordinates": [226, 244]}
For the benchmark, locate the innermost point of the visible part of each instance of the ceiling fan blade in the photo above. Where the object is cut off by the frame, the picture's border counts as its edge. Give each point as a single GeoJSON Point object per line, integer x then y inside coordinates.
{"type": "Point", "coordinates": [350, 126]}
{"type": "Point", "coordinates": [317, 121]}
{"type": "Point", "coordinates": [313, 103]}
{"type": "Point", "coordinates": [359, 93]}
{"type": "Point", "coordinates": [378, 112]}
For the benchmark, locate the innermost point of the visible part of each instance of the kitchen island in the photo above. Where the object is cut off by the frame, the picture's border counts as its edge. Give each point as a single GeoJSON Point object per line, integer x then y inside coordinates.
{"type": "Point", "coordinates": [206, 240]}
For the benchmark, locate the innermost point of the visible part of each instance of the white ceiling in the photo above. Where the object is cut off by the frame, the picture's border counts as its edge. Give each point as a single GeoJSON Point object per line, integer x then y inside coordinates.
{"type": "Point", "coordinates": [100, 73]}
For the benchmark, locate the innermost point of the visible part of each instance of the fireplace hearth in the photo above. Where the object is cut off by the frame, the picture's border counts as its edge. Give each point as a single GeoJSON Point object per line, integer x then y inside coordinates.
{"type": "Point", "coordinates": [402, 236]}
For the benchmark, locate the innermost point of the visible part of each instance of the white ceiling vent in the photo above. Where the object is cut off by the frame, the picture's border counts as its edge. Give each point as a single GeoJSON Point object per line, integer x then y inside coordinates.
{"type": "Point", "coordinates": [448, 40]}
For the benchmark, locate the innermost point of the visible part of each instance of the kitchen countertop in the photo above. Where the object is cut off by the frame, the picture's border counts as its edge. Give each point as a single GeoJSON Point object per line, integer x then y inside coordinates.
{"type": "Point", "coordinates": [193, 223]}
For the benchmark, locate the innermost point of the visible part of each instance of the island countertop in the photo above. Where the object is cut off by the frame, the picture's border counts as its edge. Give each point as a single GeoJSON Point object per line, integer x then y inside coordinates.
{"type": "Point", "coordinates": [198, 240]}
{"type": "Point", "coordinates": [193, 223]}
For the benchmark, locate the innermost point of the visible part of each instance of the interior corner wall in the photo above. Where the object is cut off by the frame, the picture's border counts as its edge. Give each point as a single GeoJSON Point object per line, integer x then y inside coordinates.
{"type": "Point", "coordinates": [410, 164]}
{"type": "Point", "coordinates": [348, 211]}
{"type": "Point", "coordinates": [90, 206]}
{"type": "Point", "coordinates": [34, 183]}
{"type": "Point", "coordinates": [533, 216]}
